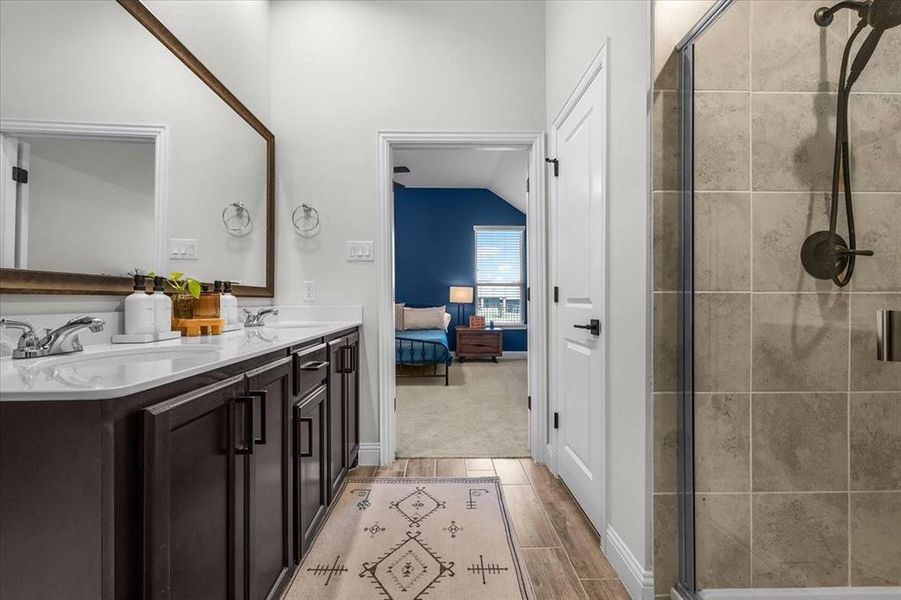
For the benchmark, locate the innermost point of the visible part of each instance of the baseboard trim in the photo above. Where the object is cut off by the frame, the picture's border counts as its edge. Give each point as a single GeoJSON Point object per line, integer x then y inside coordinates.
{"type": "Point", "coordinates": [514, 355]}
{"type": "Point", "coordinates": [370, 454]}
{"type": "Point", "coordinates": [637, 581]}
{"type": "Point", "coordinates": [836, 593]}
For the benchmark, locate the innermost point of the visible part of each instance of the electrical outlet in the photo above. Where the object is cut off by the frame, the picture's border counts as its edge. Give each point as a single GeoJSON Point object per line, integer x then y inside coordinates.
{"type": "Point", "coordinates": [309, 291]}
{"type": "Point", "coordinates": [360, 252]}
{"type": "Point", "coordinates": [184, 249]}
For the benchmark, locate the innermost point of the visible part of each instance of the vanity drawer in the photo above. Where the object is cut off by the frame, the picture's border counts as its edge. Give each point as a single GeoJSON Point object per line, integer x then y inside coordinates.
{"type": "Point", "coordinates": [310, 369]}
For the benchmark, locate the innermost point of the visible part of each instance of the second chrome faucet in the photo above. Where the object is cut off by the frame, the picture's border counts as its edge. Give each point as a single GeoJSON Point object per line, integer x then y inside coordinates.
{"type": "Point", "coordinates": [62, 340]}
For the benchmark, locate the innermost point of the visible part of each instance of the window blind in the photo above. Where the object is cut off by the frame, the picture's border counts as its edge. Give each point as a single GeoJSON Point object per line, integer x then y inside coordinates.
{"type": "Point", "coordinates": [500, 274]}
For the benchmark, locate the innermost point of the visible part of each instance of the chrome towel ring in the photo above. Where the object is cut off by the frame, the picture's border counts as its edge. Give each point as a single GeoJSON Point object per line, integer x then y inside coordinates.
{"type": "Point", "coordinates": [305, 219]}
{"type": "Point", "coordinates": [236, 219]}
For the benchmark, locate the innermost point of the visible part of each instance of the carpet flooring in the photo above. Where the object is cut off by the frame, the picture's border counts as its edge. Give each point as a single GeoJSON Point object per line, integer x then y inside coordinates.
{"type": "Point", "coordinates": [483, 412]}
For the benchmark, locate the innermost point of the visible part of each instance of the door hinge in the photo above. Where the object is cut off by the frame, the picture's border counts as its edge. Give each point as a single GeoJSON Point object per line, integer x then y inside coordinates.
{"type": "Point", "coordinates": [20, 175]}
{"type": "Point", "coordinates": [530, 403]}
{"type": "Point", "coordinates": [395, 404]}
{"type": "Point", "coordinates": [528, 294]}
{"type": "Point", "coordinates": [527, 185]}
{"type": "Point", "coordinates": [556, 164]}
{"type": "Point", "coordinates": [556, 294]}
{"type": "Point", "coordinates": [556, 420]}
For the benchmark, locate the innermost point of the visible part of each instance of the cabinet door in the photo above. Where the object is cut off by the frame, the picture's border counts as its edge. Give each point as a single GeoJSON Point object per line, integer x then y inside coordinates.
{"type": "Point", "coordinates": [269, 524]}
{"type": "Point", "coordinates": [195, 481]}
{"type": "Point", "coordinates": [352, 399]}
{"type": "Point", "coordinates": [337, 457]}
{"type": "Point", "coordinates": [310, 472]}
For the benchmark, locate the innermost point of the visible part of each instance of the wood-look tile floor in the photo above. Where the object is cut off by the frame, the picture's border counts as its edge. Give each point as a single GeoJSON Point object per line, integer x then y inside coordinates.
{"type": "Point", "coordinates": [560, 547]}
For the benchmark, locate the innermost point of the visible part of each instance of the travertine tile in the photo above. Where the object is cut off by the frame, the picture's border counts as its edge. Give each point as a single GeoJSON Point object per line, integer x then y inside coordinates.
{"type": "Point", "coordinates": [395, 469]}
{"type": "Point", "coordinates": [666, 141]}
{"type": "Point", "coordinates": [800, 442]}
{"type": "Point", "coordinates": [883, 72]}
{"type": "Point", "coordinates": [666, 442]}
{"type": "Point", "coordinates": [723, 540]}
{"type": "Point", "coordinates": [579, 539]}
{"type": "Point", "coordinates": [722, 55]}
{"type": "Point", "coordinates": [479, 464]}
{"type": "Point", "coordinates": [878, 222]}
{"type": "Point", "coordinates": [782, 221]}
{"type": "Point", "coordinates": [671, 21]}
{"type": "Point", "coordinates": [793, 141]}
{"type": "Point", "coordinates": [875, 535]}
{"type": "Point", "coordinates": [551, 574]}
{"type": "Point", "coordinates": [800, 342]}
{"type": "Point", "coordinates": [666, 342]}
{"type": "Point", "coordinates": [450, 467]}
{"type": "Point", "coordinates": [722, 241]}
{"type": "Point", "coordinates": [876, 142]}
{"type": "Point", "coordinates": [722, 447]}
{"type": "Point", "coordinates": [722, 342]}
{"type": "Point", "coordinates": [800, 540]}
{"type": "Point", "coordinates": [721, 140]}
{"type": "Point", "coordinates": [789, 52]}
{"type": "Point", "coordinates": [666, 563]}
{"type": "Point", "coordinates": [667, 269]}
{"type": "Point", "coordinates": [868, 374]}
{"type": "Point", "coordinates": [876, 441]}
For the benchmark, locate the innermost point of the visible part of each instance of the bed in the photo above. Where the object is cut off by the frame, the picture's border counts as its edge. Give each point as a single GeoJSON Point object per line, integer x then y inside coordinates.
{"type": "Point", "coordinates": [419, 352]}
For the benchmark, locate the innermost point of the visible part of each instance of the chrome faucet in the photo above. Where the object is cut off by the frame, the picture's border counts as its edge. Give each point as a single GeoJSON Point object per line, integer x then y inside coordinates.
{"type": "Point", "coordinates": [252, 319]}
{"type": "Point", "coordinates": [62, 340]}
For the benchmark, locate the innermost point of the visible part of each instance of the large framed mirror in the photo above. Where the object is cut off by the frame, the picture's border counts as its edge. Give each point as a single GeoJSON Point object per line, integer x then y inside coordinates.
{"type": "Point", "coordinates": [120, 151]}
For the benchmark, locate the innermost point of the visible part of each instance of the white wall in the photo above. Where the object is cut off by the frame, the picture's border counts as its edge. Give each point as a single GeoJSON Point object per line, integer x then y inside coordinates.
{"type": "Point", "coordinates": [231, 38]}
{"type": "Point", "coordinates": [342, 71]}
{"type": "Point", "coordinates": [574, 32]}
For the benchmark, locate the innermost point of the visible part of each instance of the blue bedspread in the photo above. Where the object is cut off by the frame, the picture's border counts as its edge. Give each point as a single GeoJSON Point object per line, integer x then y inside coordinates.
{"type": "Point", "coordinates": [406, 352]}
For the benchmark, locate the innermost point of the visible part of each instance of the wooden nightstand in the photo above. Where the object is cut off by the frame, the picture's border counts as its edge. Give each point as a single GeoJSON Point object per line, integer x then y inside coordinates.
{"type": "Point", "coordinates": [479, 343]}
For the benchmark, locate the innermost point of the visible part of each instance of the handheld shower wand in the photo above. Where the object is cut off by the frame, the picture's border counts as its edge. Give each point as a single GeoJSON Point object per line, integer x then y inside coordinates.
{"type": "Point", "coordinates": [825, 255]}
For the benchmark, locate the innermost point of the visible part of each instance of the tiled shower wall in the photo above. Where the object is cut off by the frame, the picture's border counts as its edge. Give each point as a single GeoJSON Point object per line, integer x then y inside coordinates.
{"type": "Point", "coordinates": [798, 428]}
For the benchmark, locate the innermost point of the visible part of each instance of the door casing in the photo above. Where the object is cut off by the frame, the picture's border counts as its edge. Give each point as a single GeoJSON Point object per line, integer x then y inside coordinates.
{"type": "Point", "coordinates": [536, 224]}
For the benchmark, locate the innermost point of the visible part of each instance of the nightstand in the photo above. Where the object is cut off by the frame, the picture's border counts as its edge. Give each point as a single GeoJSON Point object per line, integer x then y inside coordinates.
{"type": "Point", "coordinates": [479, 343]}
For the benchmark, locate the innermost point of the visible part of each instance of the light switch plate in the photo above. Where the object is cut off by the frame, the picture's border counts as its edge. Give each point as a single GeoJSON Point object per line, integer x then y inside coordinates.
{"type": "Point", "coordinates": [184, 249]}
{"type": "Point", "coordinates": [309, 291]}
{"type": "Point", "coordinates": [360, 251]}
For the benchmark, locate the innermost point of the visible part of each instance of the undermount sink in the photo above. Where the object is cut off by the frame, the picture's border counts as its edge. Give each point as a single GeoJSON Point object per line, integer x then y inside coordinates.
{"type": "Point", "coordinates": [292, 324]}
{"type": "Point", "coordinates": [117, 358]}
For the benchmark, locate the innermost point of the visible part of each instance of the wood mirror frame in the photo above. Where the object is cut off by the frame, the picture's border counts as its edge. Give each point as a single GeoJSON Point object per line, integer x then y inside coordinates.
{"type": "Point", "coordinates": [24, 281]}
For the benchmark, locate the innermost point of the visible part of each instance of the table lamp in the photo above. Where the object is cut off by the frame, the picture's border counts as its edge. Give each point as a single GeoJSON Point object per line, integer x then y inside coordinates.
{"type": "Point", "coordinates": [460, 295]}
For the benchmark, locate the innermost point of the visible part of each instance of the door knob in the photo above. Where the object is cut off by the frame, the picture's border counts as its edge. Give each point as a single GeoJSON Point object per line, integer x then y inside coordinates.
{"type": "Point", "coordinates": [593, 327]}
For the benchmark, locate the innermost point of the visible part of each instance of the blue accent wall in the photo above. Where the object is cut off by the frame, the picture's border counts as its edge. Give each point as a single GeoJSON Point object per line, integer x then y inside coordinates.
{"type": "Point", "coordinates": [434, 247]}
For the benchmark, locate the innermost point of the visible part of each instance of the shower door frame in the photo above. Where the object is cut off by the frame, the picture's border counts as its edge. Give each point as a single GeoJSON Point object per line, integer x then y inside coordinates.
{"type": "Point", "coordinates": [686, 587]}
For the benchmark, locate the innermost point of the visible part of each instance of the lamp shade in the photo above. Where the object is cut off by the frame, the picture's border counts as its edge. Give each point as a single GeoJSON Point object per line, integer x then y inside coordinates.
{"type": "Point", "coordinates": [461, 295]}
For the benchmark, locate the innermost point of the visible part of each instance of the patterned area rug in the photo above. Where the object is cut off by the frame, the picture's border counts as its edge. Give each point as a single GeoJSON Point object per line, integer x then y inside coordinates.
{"type": "Point", "coordinates": [435, 538]}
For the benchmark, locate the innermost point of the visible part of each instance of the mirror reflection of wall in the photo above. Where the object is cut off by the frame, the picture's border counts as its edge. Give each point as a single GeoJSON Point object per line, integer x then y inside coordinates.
{"type": "Point", "coordinates": [79, 190]}
{"type": "Point", "coordinates": [92, 63]}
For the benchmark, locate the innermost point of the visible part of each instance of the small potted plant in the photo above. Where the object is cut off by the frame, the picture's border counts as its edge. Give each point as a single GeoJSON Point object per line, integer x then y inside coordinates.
{"type": "Point", "coordinates": [187, 289]}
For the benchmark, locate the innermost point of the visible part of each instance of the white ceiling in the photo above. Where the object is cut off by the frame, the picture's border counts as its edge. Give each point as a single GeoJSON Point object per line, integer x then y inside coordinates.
{"type": "Point", "coordinates": [503, 171]}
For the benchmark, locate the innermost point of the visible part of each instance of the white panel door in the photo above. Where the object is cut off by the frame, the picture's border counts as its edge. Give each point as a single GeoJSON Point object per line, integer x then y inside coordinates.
{"type": "Point", "coordinates": [580, 269]}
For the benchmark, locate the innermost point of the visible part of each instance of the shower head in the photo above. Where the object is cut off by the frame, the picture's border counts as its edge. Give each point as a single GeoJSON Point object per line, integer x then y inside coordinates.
{"type": "Point", "coordinates": [884, 14]}
{"type": "Point", "coordinates": [879, 14]}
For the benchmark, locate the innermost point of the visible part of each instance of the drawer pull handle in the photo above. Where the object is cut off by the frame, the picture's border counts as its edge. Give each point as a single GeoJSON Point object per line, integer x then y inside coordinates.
{"type": "Point", "coordinates": [315, 365]}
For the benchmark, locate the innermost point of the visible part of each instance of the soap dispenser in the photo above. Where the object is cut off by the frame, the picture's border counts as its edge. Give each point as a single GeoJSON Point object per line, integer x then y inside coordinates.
{"type": "Point", "coordinates": [162, 306]}
{"type": "Point", "coordinates": [139, 309]}
{"type": "Point", "coordinates": [230, 304]}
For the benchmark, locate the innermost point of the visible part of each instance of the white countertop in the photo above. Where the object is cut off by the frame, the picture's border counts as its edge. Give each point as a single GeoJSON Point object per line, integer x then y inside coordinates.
{"type": "Point", "coordinates": [104, 371]}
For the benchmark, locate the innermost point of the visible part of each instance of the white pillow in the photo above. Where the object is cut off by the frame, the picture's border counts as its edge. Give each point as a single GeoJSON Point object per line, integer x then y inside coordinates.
{"type": "Point", "coordinates": [399, 316]}
{"type": "Point", "coordinates": [447, 320]}
{"type": "Point", "coordinates": [424, 318]}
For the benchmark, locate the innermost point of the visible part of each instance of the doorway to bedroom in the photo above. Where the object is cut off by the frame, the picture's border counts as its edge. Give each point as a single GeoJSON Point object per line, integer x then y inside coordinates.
{"type": "Point", "coordinates": [460, 301]}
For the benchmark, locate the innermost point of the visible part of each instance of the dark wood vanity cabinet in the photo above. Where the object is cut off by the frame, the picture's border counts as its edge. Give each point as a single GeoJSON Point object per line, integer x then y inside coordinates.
{"type": "Point", "coordinates": [208, 487]}
{"type": "Point", "coordinates": [344, 405]}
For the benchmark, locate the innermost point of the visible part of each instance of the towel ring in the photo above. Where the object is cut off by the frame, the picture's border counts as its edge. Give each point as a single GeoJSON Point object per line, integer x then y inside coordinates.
{"type": "Point", "coordinates": [305, 224]}
{"type": "Point", "coordinates": [236, 219]}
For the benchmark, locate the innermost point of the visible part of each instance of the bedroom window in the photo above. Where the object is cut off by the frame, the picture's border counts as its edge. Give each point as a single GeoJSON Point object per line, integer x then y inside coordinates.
{"type": "Point", "coordinates": [500, 274]}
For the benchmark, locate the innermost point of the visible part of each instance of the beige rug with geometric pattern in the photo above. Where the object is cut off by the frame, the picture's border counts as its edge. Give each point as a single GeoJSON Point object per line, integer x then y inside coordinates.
{"type": "Point", "coordinates": [399, 539]}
